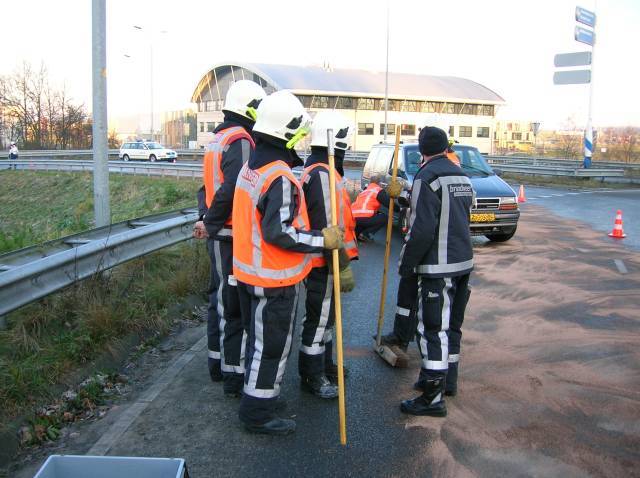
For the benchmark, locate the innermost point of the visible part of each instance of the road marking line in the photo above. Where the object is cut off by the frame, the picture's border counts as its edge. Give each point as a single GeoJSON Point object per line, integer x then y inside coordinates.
{"type": "Point", "coordinates": [122, 424]}
{"type": "Point", "coordinates": [545, 196]}
{"type": "Point", "coordinates": [621, 267]}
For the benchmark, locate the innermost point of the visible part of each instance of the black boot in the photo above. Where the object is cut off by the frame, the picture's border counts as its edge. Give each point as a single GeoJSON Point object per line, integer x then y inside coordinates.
{"type": "Point", "coordinates": [319, 385]}
{"type": "Point", "coordinates": [331, 371]}
{"type": "Point", "coordinates": [392, 339]}
{"type": "Point", "coordinates": [215, 372]}
{"type": "Point", "coordinates": [330, 368]}
{"type": "Point", "coordinates": [275, 426]}
{"type": "Point", "coordinates": [430, 403]}
{"type": "Point", "coordinates": [233, 384]}
{"type": "Point", "coordinates": [451, 382]}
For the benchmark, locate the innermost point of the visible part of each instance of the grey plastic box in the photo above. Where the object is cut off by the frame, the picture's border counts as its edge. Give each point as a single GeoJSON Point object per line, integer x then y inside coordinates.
{"type": "Point", "coordinates": [80, 466]}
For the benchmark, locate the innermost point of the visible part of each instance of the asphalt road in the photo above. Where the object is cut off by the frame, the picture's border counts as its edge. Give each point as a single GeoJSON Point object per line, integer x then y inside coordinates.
{"type": "Point", "coordinates": [596, 207]}
{"type": "Point", "coordinates": [550, 379]}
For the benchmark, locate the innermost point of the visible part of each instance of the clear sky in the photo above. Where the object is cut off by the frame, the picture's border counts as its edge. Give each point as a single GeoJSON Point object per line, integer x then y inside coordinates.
{"type": "Point", "coordinates": [506, 45]}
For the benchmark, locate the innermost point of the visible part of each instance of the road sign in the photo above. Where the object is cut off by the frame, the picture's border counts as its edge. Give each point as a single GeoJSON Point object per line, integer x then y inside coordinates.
{"type": "Point", "coordinates": [572, 77]}
{"type": "Point", "coordinates": [581, 58]}
{"type": "Point", "coordinates": [586, 17]}
{"type": "Point", "coordinates": [585, 36]}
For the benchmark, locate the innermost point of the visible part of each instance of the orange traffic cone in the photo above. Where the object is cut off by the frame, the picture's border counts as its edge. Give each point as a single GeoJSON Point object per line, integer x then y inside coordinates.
{"type": "Point", "coordinates": [617, 232]}
{"type": "Point", "coordinates": [521, 196]}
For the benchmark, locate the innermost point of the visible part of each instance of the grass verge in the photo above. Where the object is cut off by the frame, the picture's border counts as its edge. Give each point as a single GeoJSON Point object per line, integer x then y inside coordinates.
{"type": "Point", "coordinates": [48, 340]}
{"type": "Point", "coordinates": [39, 206]}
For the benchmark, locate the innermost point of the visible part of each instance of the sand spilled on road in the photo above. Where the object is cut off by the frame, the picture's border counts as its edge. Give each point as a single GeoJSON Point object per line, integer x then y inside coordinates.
{"type": "Point", "coordinates": [550, 365]}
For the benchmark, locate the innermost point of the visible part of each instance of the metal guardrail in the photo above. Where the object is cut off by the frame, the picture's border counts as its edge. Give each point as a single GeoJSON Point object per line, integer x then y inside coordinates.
{"type": "Point", "coordinates": [534, 161]}
{"type": "Point", "coordinates": [34, 272]}
{"type": "Point", "coordinates": [561, 171]}
{"type": "Point", "coordinates": [123, 167]}
{"type": "Point", "coordinates": [113, 153]}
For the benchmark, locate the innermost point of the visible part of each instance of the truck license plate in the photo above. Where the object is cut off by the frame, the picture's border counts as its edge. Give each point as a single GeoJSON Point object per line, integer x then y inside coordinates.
{"type": "Point", "coordinates": [487, 217]}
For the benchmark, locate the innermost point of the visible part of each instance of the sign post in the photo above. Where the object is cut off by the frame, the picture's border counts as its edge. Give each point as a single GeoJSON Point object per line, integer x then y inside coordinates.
{"type": "Point", "coordinates": [577, 77]}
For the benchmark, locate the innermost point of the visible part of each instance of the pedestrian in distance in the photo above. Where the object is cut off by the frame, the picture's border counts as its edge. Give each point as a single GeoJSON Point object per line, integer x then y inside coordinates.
{"type": "Point", "coordinates": [272, 248]}
{"type": "Point", "coordinates": [318, 372]}
{"type": "Point", "coordinates": [13, 151]}
{"type": "Point", "coordinates": [366, 207]}
{"type": "Point", "coordinates": [438, 250]}
{"type": "Point", "coordinates": [224, 156]}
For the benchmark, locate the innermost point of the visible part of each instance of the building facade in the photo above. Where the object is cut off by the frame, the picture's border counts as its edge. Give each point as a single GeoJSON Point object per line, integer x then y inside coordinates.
{"type": "Point", "coordinates": [462, 107]}
{"type": "Point", "coordinates": [514, 136]}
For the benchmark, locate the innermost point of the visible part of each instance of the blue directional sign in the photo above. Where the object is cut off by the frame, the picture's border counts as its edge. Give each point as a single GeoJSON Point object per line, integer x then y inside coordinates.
{"type": "Point", "coordinates": [586, 17]}
{"type": "Point", "coordinates": [585, 36]}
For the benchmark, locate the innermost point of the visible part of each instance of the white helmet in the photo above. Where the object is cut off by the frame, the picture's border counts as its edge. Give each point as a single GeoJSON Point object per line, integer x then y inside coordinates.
{"type": "Point", "coordinates": [243, 98]}
{"type": "Point", "coordinates": [335, 121]}
{"type": "Point", "coordinates": [282, 116]}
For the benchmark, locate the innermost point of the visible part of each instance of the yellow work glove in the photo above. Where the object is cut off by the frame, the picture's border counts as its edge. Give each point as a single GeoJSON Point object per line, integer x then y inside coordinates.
{"type": "Point", "coordinates": [394, 189]}
{"type": "Point", "coordinates": [347, 281]}
{"type": "Point", "coordinates": [333, 237]}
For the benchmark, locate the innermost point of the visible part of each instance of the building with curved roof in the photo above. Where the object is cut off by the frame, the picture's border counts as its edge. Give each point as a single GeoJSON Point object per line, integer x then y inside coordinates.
{"type": "Point", "coordinates": [463, 107]}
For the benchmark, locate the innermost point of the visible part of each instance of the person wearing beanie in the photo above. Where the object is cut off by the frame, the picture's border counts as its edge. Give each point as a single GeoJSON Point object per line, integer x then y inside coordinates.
{"type": "Point", "coordinates": [439, 254]}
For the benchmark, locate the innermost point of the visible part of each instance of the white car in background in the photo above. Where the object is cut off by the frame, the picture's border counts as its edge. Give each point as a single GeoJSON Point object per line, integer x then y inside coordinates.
{"type": "Point", "coordinates": [146, 151]}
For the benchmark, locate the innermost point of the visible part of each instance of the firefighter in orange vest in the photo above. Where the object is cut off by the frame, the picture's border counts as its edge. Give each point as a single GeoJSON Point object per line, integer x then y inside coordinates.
{"type": "Point", "coordinates": [224, 156]}
{"type": "Point", "coordinates": [366, 208]}
{"type": "Point", "coordinates": [272, 250]}
{"type": "Point", "coordinates": [318, 372]}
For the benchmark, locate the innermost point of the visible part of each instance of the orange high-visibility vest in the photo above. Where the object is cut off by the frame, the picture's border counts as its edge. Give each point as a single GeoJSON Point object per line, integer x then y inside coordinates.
{"type": "Point", "coordinates": [367, 204]}
{"type": "Point", "coordinates": [345, 218]}
{"type": "Point", "coordinates": [212, 163]}
{"type": "Point", "coordinates": [255, 261]}
{"type": "Point", "coordinates": [453, 157]}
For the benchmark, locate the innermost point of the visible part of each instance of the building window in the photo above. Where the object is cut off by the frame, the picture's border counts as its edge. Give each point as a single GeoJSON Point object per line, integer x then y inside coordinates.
{"type": "Point", "coordinates": [452, 131]}
{"type": "Point", "coordinates": [366, 104]}
{"type": "Point", "coordinates": [324, 102]}
{"type": "Point", "coordinates": [483, 132]}
{"type": "Point", "coordinates": [211, 127]}
{"type": "Point", "coordinates": [465, 131]}
{"type": "Point", "coordinates": [485, 110]}
{"type": "Point", "coordinates": [346, 103]}
{"type": "Point", "coordinates": [408, 130]}
{"type": "Point", "coordinates": [516, 136]}
{"type": "Point", "coordinates": [365, 128]}
{"type": "Point", "coordinates": [468, 109]}
{"type": "Point", "coordinates": [428, 107]}
{"type": "Point", "coordinates": [410, 106]}
{"type": "Point", "coordinates": [391, 128]}
{"type": "Point", "coordinates": [305, 100]}
{"type": "Point", "coordinates": [449, 108]}
{"type": "Point", "coordinates": [202, 127]}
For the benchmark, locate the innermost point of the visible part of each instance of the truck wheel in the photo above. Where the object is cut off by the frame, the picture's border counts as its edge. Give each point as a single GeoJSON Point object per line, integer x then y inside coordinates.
{"type": "Point", "coordinates": [500, 236]}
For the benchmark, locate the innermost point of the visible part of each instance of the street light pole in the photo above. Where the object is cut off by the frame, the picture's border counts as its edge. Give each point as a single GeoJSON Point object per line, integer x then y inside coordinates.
{"type": "Point", "coordinates": [101, 207]}
{"type": "Point", "coordinates": [386, 80]}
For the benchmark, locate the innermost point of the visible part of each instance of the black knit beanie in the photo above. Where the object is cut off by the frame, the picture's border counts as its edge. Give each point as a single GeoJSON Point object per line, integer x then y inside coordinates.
{"type": "Point", "coordinates": [432, 141]}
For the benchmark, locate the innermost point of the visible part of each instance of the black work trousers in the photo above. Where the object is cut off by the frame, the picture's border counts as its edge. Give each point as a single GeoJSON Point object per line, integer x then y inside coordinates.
{"type": "Point", "coordinates": [269, 317]}
{"type": "Point", "coordinates": [441, 308]}
{"type": "Point", "coordinates": [405, 321]}
{"type": "Point", "coordinates": [371, 225]}
{"type": "Point", "coordinates": [225, 332]}
{"type": "Point", "coordinates": [317, 328]}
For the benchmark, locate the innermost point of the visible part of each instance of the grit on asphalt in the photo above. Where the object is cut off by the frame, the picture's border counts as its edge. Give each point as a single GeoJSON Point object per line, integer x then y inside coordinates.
{"type": "Point", "coordinates": [549, 386]}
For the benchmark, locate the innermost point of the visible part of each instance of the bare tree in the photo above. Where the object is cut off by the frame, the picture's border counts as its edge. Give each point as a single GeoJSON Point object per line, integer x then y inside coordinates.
{"type": "Point", "coordinates": [39, 116]}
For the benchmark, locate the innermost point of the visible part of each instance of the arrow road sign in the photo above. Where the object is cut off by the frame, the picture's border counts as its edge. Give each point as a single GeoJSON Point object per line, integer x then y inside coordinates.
{"type": "Point", "coordinates": [572, 77]}
{"type": "Point", "coordinates": [586, 17]}
{"type": "Point", "coordinates": [581, 58]}
{"type": "Point", "coordinates": [585, 36]}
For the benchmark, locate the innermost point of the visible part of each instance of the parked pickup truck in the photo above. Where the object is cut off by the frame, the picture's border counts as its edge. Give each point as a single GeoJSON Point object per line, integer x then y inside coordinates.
{"type": "Point", "coordinates": [495, 212]}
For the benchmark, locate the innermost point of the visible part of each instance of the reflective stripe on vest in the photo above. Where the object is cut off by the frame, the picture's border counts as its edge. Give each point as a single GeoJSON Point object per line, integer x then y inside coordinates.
{"type": "Point", "coordinates": [255, 261]}
{"type": "Point", "coordinates": [367, 204]}
{"type": "Point", "coordinates": [343, 205]}
{"type": "Point", "coordinates": [212, 163]}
